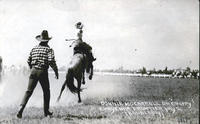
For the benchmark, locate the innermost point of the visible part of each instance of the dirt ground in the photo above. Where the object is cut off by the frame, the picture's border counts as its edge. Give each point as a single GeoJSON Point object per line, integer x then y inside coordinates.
{"type": "Point", "coordinates": [107, 99]}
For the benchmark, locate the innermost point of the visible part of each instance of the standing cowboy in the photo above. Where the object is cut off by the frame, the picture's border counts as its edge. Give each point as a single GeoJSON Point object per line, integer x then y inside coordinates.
{"type": "Point", "coordinates": [41, 56]}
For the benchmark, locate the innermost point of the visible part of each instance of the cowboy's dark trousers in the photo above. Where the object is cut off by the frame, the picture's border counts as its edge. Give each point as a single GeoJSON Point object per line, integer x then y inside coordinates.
{"type": "Point", "coordinates": [35, 76]}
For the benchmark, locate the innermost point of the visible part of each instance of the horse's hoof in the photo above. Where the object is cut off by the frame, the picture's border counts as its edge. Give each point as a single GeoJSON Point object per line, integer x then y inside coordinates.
{"type": "Point", "coordinates": [90, 77]}
{"type": "Point", "coordinates": [83, 82]}
{"type": "Point", "coordinates": [19, 115]}
{"type": "Point", "coordinates": [79, 101]}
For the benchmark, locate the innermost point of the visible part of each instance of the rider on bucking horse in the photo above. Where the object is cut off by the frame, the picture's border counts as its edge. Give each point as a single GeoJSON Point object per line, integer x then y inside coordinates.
{"type": "Point", "coordinates": [82, 47]}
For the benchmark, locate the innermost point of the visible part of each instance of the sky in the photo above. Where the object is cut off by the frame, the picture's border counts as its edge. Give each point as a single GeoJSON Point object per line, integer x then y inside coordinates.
{"type": "Point", "coordinates": [128, 33]}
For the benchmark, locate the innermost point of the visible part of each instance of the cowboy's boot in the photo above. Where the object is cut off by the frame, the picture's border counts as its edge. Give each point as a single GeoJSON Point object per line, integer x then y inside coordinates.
{"type": "Point", "coordinates": [48, 113]}
{"type": "Point", "coordinates": [46, 103]}
{"type": "Point", "coordinates": [19, 114]}
{"type": "Point", "coordinates": [46, 110]}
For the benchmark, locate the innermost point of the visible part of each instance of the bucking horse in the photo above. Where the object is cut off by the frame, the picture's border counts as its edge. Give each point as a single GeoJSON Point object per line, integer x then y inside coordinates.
{"type": "Point", "coordinates": [79, 64]}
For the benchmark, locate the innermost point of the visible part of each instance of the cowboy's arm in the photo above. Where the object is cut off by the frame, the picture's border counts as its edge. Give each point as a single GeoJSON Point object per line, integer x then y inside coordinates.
{"type": "Point", "coordinates": [52, 62]}
{"type": "Point", "coordinates": [72, 43]}
{"type": "Point", "coordinates": [29, 60]}
{"type": "Point", "coordinates": [70, 39]}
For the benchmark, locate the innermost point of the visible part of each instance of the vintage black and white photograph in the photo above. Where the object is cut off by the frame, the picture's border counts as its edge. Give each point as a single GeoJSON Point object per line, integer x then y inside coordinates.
{"type": "Point", "coordinates": [99, 61]}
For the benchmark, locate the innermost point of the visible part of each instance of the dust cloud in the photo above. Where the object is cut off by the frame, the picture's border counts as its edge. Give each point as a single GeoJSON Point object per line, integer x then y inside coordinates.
{"type": "Point", "coordinates": [13, 87]}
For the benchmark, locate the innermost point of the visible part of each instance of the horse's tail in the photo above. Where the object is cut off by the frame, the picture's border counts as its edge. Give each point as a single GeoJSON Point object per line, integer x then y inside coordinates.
{"type": "Point", "coordinates": [70, 81]}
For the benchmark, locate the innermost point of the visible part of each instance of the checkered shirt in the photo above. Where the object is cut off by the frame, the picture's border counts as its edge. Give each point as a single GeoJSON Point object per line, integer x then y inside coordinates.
{"type": "Point", "coordinates": [41, 57]}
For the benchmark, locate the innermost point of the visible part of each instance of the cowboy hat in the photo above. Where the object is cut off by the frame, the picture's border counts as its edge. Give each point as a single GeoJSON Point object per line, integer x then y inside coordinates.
{"type": "Point", "coordinates": [44, 37]}
{"type": "Point", "coordinates": [79, 25]}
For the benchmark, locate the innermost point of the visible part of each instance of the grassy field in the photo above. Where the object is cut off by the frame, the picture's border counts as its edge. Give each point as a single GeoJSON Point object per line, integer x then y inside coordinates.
{"type": "Point", "coordinates": [106, 99]}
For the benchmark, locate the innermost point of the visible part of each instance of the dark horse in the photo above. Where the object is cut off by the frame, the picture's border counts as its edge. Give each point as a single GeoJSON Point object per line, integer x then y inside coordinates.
{"type": "Point", "coordinates": [77, 66]}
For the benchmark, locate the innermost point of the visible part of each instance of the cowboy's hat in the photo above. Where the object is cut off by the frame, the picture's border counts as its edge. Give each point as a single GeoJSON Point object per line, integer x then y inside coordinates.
{"type": "Point", "coordinates": [44, 37]}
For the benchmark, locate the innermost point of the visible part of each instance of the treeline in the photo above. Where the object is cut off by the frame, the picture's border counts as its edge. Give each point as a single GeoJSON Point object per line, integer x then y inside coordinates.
{"type": "Point", "coordinates": [179, 73]}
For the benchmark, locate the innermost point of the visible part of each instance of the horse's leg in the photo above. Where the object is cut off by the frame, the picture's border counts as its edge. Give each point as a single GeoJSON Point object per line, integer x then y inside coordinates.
{"type": "Point", "coordinates": [79, 90]}
{"type": "Point", "coordinates": [83, 82]}
{"type": "Point", "coordinates": [91, 72]}
{"type": "Point", "coordinates": [83, 72]}
{"type": "Point", "coordinates": [63, 87]}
